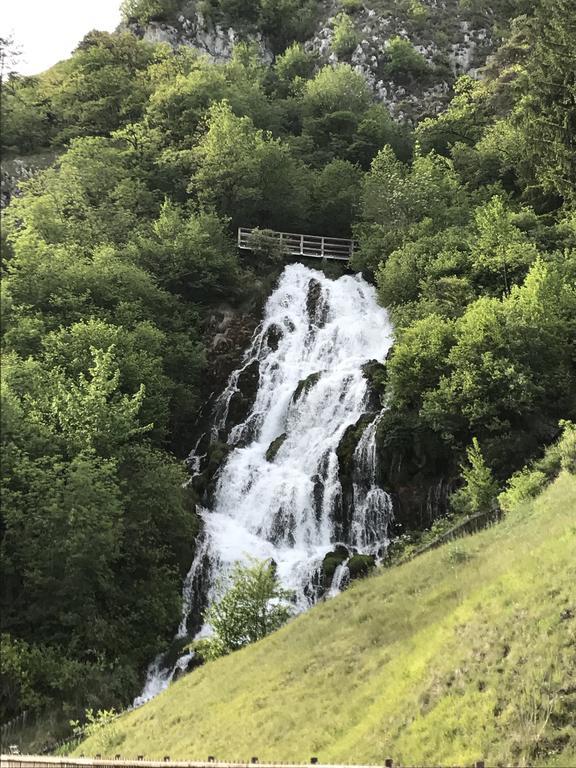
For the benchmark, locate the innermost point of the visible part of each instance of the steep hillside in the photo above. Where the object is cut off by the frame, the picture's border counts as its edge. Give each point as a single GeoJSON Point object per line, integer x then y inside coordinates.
{"type": "Point", "coordinates": [409, 51]}
{"type": "Point", "coordinates": [466, 652]}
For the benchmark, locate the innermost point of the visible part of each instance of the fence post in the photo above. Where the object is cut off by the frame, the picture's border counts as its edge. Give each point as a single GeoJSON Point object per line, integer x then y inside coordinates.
{"type": "Point", "coordinates": [322, 247]}
{"type": "Point", "coordinates": [302, 244]}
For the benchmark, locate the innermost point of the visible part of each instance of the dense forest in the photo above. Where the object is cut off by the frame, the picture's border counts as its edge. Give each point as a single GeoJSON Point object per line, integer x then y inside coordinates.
{"type": "Point", "coordinates": [114, 256]}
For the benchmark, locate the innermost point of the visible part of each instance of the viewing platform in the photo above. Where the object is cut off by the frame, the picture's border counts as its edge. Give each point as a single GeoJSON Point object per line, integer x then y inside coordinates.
{"type": "Point", "coordinates": [312, 246]}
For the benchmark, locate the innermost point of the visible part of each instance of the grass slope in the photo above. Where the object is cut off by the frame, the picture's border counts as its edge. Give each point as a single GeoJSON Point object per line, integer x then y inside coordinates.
{"type": "Point", "coordinates": [466, 652]}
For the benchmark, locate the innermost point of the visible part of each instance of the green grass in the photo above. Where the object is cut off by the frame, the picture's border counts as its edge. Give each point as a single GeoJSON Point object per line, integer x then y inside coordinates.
{"type": "Point", "coordinates": [467, 652]}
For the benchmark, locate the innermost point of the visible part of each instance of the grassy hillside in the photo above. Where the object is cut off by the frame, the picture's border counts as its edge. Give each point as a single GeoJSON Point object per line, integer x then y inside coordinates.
{"type": "Point", "coordinates": [466, 652]}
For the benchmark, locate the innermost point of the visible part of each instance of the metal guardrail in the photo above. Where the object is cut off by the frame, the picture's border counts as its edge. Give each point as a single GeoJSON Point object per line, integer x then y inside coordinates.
{"type": "Point", "coordinates": [313, 246]}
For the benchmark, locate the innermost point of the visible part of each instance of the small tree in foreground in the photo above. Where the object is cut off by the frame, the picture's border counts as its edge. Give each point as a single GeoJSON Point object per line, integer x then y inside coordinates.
{"type": "Point", "coordinates": [480, 489]}
{"type": "Point", "coordinates": [253, 606]}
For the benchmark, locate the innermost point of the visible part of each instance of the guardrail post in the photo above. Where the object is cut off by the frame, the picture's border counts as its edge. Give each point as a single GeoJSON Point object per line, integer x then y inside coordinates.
{"type": "Point", "coordinates": [322, 247]}
{"type": "Point", "coordinates": [302, 244]}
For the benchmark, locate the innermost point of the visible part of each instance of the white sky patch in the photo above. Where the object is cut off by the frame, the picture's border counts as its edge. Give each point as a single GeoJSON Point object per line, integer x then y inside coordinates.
{"type": "Point", "coordinates": [48, 32]}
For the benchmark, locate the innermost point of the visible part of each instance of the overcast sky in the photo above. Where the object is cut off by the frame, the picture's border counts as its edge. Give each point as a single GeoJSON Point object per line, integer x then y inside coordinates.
{"type": "Point", "coordinates": [48, 30]}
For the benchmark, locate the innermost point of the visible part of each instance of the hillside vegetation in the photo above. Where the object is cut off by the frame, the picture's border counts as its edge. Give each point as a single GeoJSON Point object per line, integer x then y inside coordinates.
{"type": "Point", "coordinates": [466, 652]}
{"type": "Point", "coordinates": [117, 259]}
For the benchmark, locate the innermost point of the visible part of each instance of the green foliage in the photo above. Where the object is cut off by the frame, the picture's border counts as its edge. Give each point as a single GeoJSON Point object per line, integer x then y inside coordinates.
{"type": "Point", "coordinates": [246, 174]}
{"type": "Point", "coordinates": [547, 113]}
{"type": "Point", "coordinates": [345, 37]}
{"type": "Point", "coordinates": [479, 491]}
{"type": "Point", "coordinates": [144, 11]}
{"type": "Point", "coordinates": [401, 203]}
{"type": "Point", "coordinates": [529, 481]}
{"type": "Point", "coordinates": [115, 257]}
{"type": "Point", "coordinates": [251, 607]}
{"type": "Point", "coordinates": [403, 60]}
{"type": "Point", "coordinates": [473, 639]}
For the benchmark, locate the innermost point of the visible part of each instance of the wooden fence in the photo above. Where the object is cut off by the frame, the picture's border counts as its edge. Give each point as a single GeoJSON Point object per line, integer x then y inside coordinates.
{"type": "Point", "coordinates": [291, 244]}
{"type": "Point", "coordinates": [38, 761]}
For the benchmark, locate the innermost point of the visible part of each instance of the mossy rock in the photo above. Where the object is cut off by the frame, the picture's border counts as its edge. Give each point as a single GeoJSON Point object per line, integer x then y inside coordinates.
{"type": "Point", "coordinates": [376, 374]}
{"type": "Point", "coordinates": [331, 561]}
{"type": "Point", "coordinates": [305, 385]}
{"type": "Point", "coordinates": [275, 446]}
{"type": "Point", "coordinates": [361, 565]}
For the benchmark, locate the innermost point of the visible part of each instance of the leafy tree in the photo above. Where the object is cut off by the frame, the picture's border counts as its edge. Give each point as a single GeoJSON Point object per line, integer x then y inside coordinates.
{"type": "Point", "coordinates": [464, 120]}
{"type": "Point", "coordinates": [480, 488]}
{"type": "Point", "coordinates": [104, 85]}
{"type": "Point", "coordinates": [417, 361]}
{"type": "Point", "coordinates": [293, 68]}
{"type": "Point", "coordinates": [400, 203]}
{"type": "Point", "coordinates": [248, 175]}
{"type": "Point", "coordinates": [252, 607]}
{"type": "Point", "coordinates": [499, 250]}
{"type": "Point", "coordinates": [335, 197]}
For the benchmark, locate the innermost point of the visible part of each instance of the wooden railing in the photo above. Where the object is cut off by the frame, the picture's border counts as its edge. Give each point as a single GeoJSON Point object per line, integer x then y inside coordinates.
{"type": "Point", "coordinates": [33, 761]}
{"type": "Point", "coordinates": [313, 246]}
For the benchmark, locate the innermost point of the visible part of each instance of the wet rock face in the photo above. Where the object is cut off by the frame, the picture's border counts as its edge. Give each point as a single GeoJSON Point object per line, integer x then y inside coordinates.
{"type": "Point", "coordinates": [345, 452]}
{"type": "Point", "coordinates": [275, 446]}
{"type": "Point", "coordinates": [331, 561]}
{"type": "Point", "coordinates": [242, 400]}
{"type": "Point", "coordinates": [376, 375]}
{"type": "Point", "coordinates": [317, 308]}
{"type": "Point", "coordinates": [274, 335]}
{"type": "Point", "coordinates": [416, 468]}
{"type": "Point", "coordinates": [305, 385]}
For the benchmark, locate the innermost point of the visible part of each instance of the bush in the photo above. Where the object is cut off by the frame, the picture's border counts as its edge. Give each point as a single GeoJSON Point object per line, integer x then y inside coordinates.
{"type": "Point", "coordinates": [404, 59]}
{"type": "Point", "coordinates": [345, 37]}
{"type": "Point", "coordinates": [253, 606]}
{"type": "Point", "coordinates": [144, 11]}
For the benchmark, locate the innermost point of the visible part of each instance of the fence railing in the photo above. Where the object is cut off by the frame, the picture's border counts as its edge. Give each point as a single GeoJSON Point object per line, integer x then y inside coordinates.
{"type": "Point", "coordinates": [37, 761]}
{"type": "Point", "coordinates": [292, 244]}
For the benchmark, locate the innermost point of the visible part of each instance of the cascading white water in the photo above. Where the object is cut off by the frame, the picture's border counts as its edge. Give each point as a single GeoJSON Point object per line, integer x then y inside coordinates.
{"type": "Point", "coordinates": [315, 338]}
{"type": "Point", "coordinates": [372, 505]}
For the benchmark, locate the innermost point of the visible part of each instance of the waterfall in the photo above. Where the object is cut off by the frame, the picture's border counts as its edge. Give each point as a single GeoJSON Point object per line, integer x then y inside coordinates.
{"type": "Point", "coordinates": [278, 493]}
{"type": "Point", "coordinates": [372, 505]}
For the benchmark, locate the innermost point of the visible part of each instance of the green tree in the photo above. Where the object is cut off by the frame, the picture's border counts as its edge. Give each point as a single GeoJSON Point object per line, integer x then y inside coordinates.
{"type": "Point", "coordinates": [548, 110]}
{"type": "Point", "coordinates": [499, 251]}
{"type": "Point", "coordinates": [246, 174]}
{"type": "Point", "coordinates": [253, 606]}
{"type": "Point", "coordinates": [480, 488]}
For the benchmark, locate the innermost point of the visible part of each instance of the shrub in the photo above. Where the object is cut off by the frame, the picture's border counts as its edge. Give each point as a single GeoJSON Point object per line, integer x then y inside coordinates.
{"type": "Point", "coordinates": [404, 59]}
{"type": "Point", "coordinates": [345, 37]}
{"type": "Point", "coordinates": [254, 605]}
